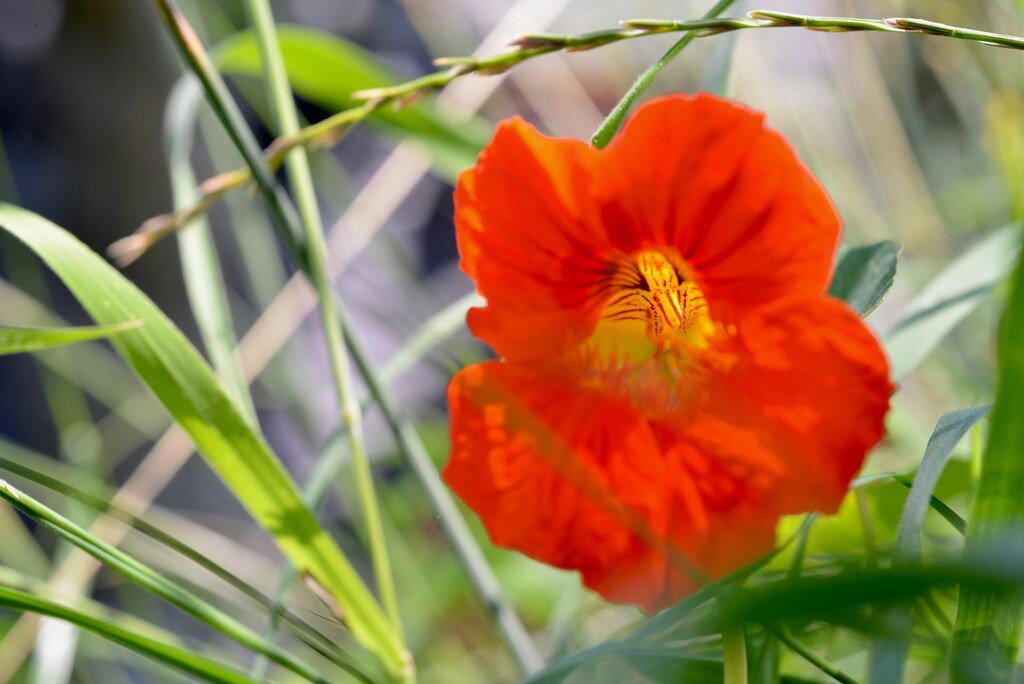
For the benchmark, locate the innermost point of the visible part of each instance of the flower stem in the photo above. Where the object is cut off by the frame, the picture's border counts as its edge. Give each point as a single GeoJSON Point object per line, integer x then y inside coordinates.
{"type": "Point", "coordinates": [297, 165]}
{"type": "Point", "coordinates": [613, 122]}
{"type": "Point", "coordinates": [734, 652]}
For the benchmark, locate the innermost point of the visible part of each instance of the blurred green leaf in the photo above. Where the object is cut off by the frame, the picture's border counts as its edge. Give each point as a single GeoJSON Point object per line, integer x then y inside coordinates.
{"type": "Point", "coordinates": [19, 340]}
{"type": "Point", "coordinates": [890, 651]}
{"type": "Point", "coordinates": [326, 70]}
{"type": "Point", "coordinates": [948, 432]}
{"type": "Point", "coordinates": [987, 633]}
{"type": "Point", "coordinates": [21, 594]}
{"type": "Point", "coordinates": [947, 299]}
{"type": "Point", "coordinates": [864, 275]}
{"type": "Point", "coordinates": [186, 386]}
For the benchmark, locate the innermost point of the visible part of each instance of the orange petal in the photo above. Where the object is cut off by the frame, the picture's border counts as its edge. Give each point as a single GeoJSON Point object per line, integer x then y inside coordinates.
{"type": "Point", "coordinates": [705, 176]}
{"type": "Point", "coordinates": [565, 475]}
{"type": "Point", "coordinates": [810, 384]}
{"type": "Point", "coordinates": [577, 479]}
{"type": "Point", "coordinates": [522, 221]}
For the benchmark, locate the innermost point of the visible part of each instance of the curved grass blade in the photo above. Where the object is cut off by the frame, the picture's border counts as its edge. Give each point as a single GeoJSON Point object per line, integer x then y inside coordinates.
{"type": "Point", "coordinates": [58, 477]}
{"type": "Point", "coordinates": [157, 584]}
{"type": "Point", "coordinates": [947, 299]}
{"type": "Point", "coordinates": [987, 633]}
{"type": "Point", "coordinates": [864, 275]}
{"type": "Point", "coordinates": [326, 69]}
{"type": "Point", "coordinates": [890, 651]}
{"type": "Point", "coordinates": [182, 381]}
{"type": "Point", "coordinates": [20, 340]}
{"type": "Point", "coordinates": [948, 432]}
{"type": "Point", "coordinates": [20, 594]}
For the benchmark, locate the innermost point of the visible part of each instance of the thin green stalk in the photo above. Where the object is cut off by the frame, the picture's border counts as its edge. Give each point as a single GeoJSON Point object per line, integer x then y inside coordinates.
{"type": "Point", "coordinates": [415, 454]}
{"type": "Point", "coordinates": [805, 652]}
{"type": "Point", "coordinates": [204, 279]}
{"type": "Point", "coordinates": [192, 51]}
{"type": "Point", "coordinates": [613, 122]}
{"type": "Point", "coordinates": [526, 47]}
{"type": "Point", "coordinates": [734, 653]}
{"type": "Point", "coordinates": [413, 449]}
{"type": "Point", "coordinates": [283, 106]}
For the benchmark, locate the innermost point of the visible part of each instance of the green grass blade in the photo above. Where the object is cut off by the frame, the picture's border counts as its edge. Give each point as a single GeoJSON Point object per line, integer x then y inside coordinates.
{"type": "Point", "coordinates": [890, 651]}
{"type": "Point", "coordinates": [23, 595]}
{"type": "Point", "coordinates": [864, 275]}
{"type": "Point", "coordinates": [90, 491]}
{"type": "Point", "coordinates": [182, 381]}
{"type": "Point", "coordinates": [154, 582]}
{"type": "Point", "coordinates": [325, 69]}
{"type": "Point", "coordinates": [938, 505]}
{"type": "Point", "coordinates": [987, 633]}
{"type": "Point", "coordinates": [948, 432]}
{"type": "Point", "coordinates": [204, 280]}
{"type": "Point", "coordinates": [21, 340]}
{"type": "Point", "coordinates": [947, 299]}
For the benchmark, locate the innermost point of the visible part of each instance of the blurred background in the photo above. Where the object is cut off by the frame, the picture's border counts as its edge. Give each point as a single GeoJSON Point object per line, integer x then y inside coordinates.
{"type": "Point", "coordinates": [918, 139]}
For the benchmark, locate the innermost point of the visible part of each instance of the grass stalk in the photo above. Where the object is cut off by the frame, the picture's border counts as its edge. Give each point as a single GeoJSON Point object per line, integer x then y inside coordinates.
{"type": "Point", "coordinates": [613, 122]}
{"type": "Point", "coordinates": [297, 164]}
{"type": "Point", "coordinates": [524, 48]}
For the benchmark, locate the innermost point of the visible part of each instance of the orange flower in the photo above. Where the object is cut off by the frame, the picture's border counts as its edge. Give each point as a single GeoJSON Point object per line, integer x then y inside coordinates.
{"type": "Point", "coordinates": [673, 377]}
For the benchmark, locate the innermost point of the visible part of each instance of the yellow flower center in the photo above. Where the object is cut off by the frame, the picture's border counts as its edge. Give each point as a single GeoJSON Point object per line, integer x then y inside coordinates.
{"type": "Point", "coordinates": [652, 306]}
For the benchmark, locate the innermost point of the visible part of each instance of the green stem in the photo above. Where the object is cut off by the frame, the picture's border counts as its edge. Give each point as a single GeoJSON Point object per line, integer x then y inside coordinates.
{"type": "Point", "coordinates": [613, 122]}
{"type": "Point", "coordinates": [802, 650]}
{"type": "Point", "coordinates": [191, 49]}
{"type": "Point", "coordinates": [297, 164]}
{"type": "Point", "coordinates": [734, 652]}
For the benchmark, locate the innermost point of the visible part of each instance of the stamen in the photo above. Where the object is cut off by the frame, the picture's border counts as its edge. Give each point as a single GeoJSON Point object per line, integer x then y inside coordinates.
{"type": "Point", "coordinates": [650, 305]}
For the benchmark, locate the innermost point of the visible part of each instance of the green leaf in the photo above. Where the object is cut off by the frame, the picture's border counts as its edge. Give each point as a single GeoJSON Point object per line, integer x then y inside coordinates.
{"type": "Point", "coordinates": [987, 633]}
{"type": "Point", "coordinates": [864, 275]}
{"type": "Point", "coordinates": [890, 650]}
{"type": "Point", "coordinates": [326, 70]}
{"type": "Point", "coordinates": [19, 340]}
{"type": "Point", "coordinates": [24, 595]}
{"type": "Point", "coordinates": [947, 299]}
{"type": "Point", "coordinates": [948, 432]}
{"type": "Point", "coordinates": [185, 385]}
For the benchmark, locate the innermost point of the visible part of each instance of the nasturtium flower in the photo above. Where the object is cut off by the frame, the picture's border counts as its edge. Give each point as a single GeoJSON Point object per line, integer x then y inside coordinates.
{"type": "Point", "coordinates": [672, 377]}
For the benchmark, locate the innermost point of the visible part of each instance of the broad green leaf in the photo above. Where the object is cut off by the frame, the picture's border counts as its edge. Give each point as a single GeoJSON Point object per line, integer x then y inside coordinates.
{"type": "Point", "coordinates": [185, 385]}
{"type": "Point", "coordinates": [326, 70]}
{"type": "Point", "coordinates": [864, 275]}
{"type": "Point", "coordinates": [20, 340]}
{"type": "Point", "coordinates": [987, 633]}
{"type": "Point", "coordinates": [947, 299]}
{"type": "Point", "coordinates": [21, 594]}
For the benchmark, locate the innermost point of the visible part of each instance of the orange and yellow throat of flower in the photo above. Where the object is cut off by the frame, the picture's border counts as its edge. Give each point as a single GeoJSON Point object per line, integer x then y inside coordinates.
{"type": "Point", "coordinates": [652, 306]}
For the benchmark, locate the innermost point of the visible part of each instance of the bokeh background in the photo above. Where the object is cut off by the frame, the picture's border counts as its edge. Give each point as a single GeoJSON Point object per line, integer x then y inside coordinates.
{"type": "Point", "coordinates": [918, 139]}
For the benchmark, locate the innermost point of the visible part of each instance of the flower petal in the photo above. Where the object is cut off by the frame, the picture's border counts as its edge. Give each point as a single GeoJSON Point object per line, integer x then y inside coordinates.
{"type": "Point", "coordinates": [521, 219]}
{"type": "Point", "coordinates": [576, 479]}
{"type": "Point", "coordinates": [810, 384]}
{"type": "Point", "coordinates": [562, 474]}
{"type": "Point", "coordinates": [705, 176]}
